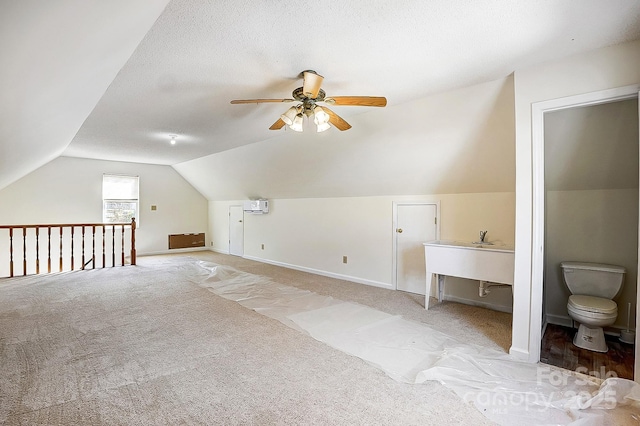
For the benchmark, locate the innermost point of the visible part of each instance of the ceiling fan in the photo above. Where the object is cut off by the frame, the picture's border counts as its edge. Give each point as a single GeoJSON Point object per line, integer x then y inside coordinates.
{"type": "Point", "coordinates": [308, 97]}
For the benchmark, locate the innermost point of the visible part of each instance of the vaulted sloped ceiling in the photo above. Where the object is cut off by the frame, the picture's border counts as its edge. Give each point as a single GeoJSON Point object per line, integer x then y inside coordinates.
{"type": "Point", "coordinates": [457, 141]}
{"type": "Point", "coordinates": [112, 80]}
{"type": "Point", "coordinates": [58, 59]}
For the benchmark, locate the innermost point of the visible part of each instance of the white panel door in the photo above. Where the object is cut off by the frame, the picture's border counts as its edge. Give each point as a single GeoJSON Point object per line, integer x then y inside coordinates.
{"type": "Point", "coordinates": [236, 230]}
{"type": "Point", "coordinates": [415, 225]}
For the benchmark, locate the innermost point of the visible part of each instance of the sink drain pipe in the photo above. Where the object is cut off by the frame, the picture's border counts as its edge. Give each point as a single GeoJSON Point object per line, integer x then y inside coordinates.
{"type": "Point", "coordinates": [484, 288]}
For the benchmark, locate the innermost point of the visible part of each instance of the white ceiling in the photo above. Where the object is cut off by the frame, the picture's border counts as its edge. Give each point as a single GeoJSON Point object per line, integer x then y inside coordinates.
{"type": "Point", "coordinates": [57, 58]}
{"type": "Point", "coordinates": [199, 55]}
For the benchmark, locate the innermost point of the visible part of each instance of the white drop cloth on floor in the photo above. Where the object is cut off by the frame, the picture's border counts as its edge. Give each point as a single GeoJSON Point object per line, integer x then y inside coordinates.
{"type": "Point", "coordinates": [505, 390]}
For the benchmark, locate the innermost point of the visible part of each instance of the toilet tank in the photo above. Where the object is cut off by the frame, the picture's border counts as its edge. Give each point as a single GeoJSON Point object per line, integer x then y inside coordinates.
{"type": "Point", "coordinates": [593, 279]}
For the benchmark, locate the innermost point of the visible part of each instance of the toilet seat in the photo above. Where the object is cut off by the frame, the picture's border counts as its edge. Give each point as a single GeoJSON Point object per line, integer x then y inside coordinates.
{"type": "Point", "coordinates": [592, 311]}
{"type": "Point", "coordinates": [593, 305]}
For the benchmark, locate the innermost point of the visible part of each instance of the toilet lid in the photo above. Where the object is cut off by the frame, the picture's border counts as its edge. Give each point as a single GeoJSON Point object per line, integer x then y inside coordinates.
{"type": "Point", "coordinates": [594, 267]}
{"type": "Point", "coordinates": [593, 304]}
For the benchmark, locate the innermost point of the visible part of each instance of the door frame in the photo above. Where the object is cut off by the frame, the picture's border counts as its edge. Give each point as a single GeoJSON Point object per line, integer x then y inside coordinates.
{"type": "Point", "coordinates": [394, 237]}
{"type": "Point", "coordinates": [538, 110]}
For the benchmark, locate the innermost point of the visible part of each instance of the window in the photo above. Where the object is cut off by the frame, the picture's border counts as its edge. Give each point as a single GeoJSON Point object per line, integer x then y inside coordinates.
{"type": "Point", "coordinates": [119, 198]}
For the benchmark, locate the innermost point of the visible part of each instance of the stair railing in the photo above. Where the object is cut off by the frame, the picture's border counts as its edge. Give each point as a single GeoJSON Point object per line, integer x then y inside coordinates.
{"type": "Point", "coordinates": [67, 239]}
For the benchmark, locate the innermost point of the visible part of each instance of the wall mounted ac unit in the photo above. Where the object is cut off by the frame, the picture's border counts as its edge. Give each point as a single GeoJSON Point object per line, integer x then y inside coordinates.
{"type": "Point", "coordinates": [256, 206]}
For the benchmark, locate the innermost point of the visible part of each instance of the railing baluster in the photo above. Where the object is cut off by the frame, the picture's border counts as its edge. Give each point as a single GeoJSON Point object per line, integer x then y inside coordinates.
{"type": "Point", "coordinates": [49, 249]}
{"type": "Point", "coordinates": [60, 270]}
{"type": "Point", "coordinates": [38, 250]}
{"type": "Point", "coordinates": [133, 240]}
{"type": "Point", "coordinates": [103, 246]}
{"type": "Point", "coordinates": [122, 244]}
{"type": "Point", "coordinates": [93, 247]}
{"type": "Point", "coordinates": [113, 246]}
{"type": "Point", "coordinates": [82, 247]}
{"type": "Point", "coordinates": [24, 251]}
{"type": "Point", "coordinates": [11, 252]}
{"type": "Point", "coordinates": [72, 228]}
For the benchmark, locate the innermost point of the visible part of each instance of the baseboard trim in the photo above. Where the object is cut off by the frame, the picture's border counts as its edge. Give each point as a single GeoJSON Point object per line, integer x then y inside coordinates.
{"type": "Point", "coordinates": [500, 308]}
{"type": "Point", "coordinates": [520, 354]}
{"type": "Point", "coordinates": [182, 250]}
{"type": "Point", "coordinates": [612, 330]}
{"type": "Point", "coordinates": [321, 272]}
{"type": "Point", "coordinates": [562, 320]}
{"type": "Point", "coordinates": [219, 250]}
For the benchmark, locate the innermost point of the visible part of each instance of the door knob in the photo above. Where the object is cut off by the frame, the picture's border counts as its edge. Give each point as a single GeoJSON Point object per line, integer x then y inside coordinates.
{"type": "Point", "coordinates": [399, 230]}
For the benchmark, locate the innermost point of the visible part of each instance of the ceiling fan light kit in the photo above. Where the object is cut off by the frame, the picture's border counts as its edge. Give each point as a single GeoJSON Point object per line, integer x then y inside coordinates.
{"type": "Point", "coordinates": [319, 116]}
{"type": "Point", "coordinates": [289, 115]}
{"type": "Point", "coordinates": [309, 95]}
{"type": "Point", "coordinates": [296, 126]}
{"type": "Point", "coordinates": [323, 126]}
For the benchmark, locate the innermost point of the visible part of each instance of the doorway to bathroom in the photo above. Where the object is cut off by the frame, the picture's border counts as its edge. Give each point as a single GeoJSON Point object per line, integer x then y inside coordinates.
{"type": "Point", "coordinates": [591, 174]}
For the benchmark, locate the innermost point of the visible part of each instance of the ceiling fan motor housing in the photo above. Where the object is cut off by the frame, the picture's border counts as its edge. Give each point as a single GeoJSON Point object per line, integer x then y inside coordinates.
{"type": "Point", "coordinates": [298, 94]}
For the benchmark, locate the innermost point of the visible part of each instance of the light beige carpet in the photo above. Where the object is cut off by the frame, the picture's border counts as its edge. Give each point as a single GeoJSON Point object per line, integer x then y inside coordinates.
{"type": "Point", "coordinates": [145, 345]}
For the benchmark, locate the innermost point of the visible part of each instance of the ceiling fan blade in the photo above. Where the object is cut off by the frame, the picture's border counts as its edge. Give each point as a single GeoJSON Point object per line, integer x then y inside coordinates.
{"type": "Point", "coordinates": [259, 101]}
{"type": "Point", "coordinates": [374, 101]}
{"type": "Point", "coordinates": [336, 120]}
{"type": "Point", "coordinates": [312, 83]}
{"type": "Point", "coordinates": [277, 125]}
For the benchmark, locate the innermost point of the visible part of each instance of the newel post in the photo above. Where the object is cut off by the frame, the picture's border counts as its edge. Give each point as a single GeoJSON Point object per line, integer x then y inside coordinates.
{"type": "Point", "coordinates": [133, 240]}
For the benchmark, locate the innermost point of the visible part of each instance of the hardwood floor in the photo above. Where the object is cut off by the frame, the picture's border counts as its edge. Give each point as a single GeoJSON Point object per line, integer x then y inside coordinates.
{"type": "Point", "coordinates": [558, 349]}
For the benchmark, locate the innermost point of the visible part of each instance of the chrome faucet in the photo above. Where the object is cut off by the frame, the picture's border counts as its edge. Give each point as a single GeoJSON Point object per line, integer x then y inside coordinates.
{"type": "Point", "coordinates": [482, 235]}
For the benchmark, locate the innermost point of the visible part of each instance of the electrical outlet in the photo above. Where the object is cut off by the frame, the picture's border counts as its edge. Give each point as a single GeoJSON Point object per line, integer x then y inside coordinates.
{"type": "Point", "coordinates": [344, 259]}
{"type": "Point", "coordinates": [262, 246]}
{"type": "Point", "coordinates": [154, 207]}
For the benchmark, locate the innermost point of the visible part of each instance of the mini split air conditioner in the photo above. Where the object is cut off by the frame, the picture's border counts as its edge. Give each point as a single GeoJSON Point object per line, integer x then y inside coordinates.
{"type": "Point", "coordinates": [256, 206]}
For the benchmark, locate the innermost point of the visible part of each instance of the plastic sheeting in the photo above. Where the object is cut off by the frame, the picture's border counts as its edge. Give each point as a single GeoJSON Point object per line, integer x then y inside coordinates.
{"type": "Point", "coordinates": [505, 390]}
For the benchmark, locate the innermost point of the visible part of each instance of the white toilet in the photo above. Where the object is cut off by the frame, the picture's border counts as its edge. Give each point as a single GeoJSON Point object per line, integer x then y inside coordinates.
{"type": "Point", "coordinates": [592, 286]}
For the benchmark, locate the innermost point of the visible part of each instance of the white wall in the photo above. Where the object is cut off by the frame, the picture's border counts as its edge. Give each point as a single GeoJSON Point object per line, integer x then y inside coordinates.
{"type": "Point", "coordinates": [69, 190]}
{"type": "Point", "coordinates": [314, 233]}
{"type": "Point", "coordinates": [607, 68]}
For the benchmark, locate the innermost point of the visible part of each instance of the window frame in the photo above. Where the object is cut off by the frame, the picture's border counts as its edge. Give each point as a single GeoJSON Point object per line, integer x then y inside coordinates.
{"type": "Point", "coordinates": [134, 201]}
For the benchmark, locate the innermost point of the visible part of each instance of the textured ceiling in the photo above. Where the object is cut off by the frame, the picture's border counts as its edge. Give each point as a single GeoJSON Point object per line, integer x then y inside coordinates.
{"type": "Point", "coordinates": [199, 55]}
{"type": "Point", "coordinates": [57, 59]}
{"type": "Point", "coordinates": [112, 80]}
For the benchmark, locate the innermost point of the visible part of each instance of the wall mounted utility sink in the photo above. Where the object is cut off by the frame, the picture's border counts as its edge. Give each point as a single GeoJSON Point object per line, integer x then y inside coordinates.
{"type": "Point", "coordinates": [483, 262]}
